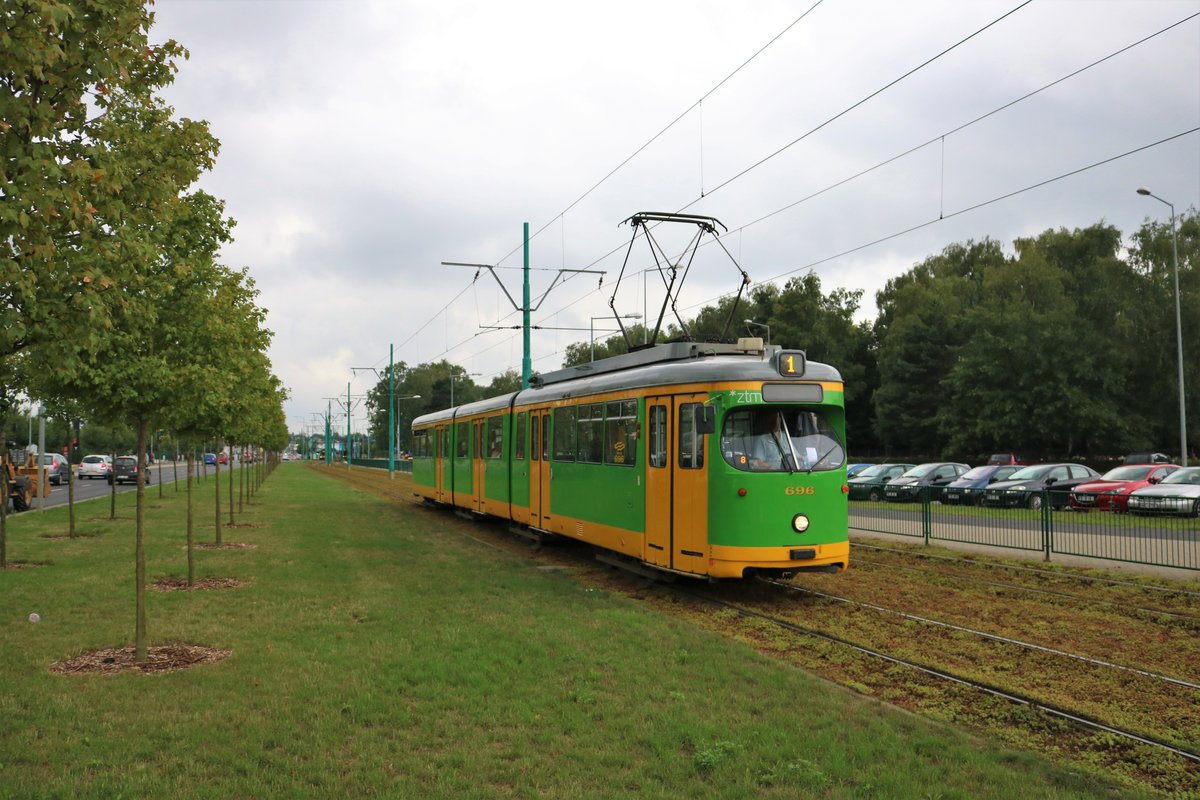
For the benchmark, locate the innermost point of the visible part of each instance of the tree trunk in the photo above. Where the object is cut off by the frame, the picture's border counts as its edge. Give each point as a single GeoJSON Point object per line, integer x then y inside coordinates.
{"type": "Point", "coordinates": [191, 556]}
{"type": "Point", "coordinates": [112, 483]}
{"type": "Point", "coordinates": [140, 546]}
{"type": "Point", "coordinates": [230, 500]}
{"type": "Point", "coordinates": [242, 483]}
{"type": "Point", "coordinates": [4, 478]}
{"type": "Point", "coordinates": [217, 493]}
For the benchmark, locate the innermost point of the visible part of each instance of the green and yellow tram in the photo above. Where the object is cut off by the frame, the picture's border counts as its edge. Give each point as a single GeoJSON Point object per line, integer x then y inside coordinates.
{"type": "Point", "coordinates": [709, 460]}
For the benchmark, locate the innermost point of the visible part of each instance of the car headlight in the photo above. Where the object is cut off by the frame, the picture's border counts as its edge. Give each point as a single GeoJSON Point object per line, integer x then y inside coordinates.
{"type": "Point", "coordinates": [1117, 491]}
{"type": "Point", "coordinates": [1021, 488]}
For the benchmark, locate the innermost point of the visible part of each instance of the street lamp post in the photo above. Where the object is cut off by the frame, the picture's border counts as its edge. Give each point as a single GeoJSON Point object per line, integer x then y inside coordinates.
{"type": "Point", "coordinates": [592, 330]}
{"type": "Point", "coordinates": [1178, 326]}
{"type": "Point", "coordinates": [752, 323]}
{"type": "Point", "coordinates": [465, 375]}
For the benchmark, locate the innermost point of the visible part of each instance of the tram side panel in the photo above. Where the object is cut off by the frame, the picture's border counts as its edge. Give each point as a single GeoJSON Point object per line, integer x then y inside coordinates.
{"type": "Point", "coordinates": [518, 453]}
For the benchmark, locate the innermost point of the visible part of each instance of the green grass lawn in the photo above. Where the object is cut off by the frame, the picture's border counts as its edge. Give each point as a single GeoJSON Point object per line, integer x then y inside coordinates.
{"type": "Point", "coordinates": [377, 650]}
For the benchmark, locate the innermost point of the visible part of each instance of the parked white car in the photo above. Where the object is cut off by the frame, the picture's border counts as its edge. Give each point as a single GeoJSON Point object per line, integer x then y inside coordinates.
{"type": "Point", "coordinates": [1178, 493]}
{"type": "Point", "coordinates": [95, 467]}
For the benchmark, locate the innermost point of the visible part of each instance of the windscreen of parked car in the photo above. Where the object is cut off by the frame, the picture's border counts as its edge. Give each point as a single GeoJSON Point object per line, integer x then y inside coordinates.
{"type": "Point", "coordinates": [920, 471]}
{"type": "Point", "coordinates": [781, 439]}
{"type": "Point", "coordinates": [977, 474]}
{"type": "Point", "coordinates": [1190, 476]}
{"type": "Point", "coordinates": [873, 472]}
{"type": "Point", "coordinates": [1030, 473]}
{"type": "Point", "coordinates": [1127, 473]}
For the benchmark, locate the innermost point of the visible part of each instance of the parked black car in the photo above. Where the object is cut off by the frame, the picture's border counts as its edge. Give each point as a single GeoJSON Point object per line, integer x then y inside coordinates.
{"type": "Point", "coordinates": [868, 484]}
{"type": "Point", "coordinates": [1025, 487]}
{"type": "Point", "coordinates": [935, 475]}
{"type": "Point", "coordinates": [125, 469]}
{"type": "Point", "coordinates": [968, 489]}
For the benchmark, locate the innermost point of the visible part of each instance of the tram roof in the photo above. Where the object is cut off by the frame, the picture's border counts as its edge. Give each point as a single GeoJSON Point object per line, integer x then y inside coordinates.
{"type": "Point", "coordinates": [663, 365]}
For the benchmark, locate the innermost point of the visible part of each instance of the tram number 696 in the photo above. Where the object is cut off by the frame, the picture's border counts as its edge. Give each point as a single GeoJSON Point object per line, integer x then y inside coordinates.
{"type": "Point", "coordinates": [796, 490]}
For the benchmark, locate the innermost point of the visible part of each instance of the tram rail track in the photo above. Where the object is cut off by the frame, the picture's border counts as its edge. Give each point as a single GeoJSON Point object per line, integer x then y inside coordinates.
{"type": "Point", "coordinates": [994, 691]}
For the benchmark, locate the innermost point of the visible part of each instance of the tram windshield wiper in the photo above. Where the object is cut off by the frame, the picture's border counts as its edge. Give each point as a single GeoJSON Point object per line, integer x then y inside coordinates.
{"type": "Point", "coordinates": [813, 465]}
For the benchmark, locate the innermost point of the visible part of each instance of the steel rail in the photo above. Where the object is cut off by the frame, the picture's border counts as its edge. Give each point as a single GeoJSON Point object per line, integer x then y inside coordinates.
{"type": "Point", "coordinates": [995, 637]}
{"type": "Point", "coordinates": [1003, 694]}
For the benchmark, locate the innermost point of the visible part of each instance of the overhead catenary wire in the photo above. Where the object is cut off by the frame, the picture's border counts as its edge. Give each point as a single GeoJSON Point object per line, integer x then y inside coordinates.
{"type": "Point", "coordinates": [861, 173]}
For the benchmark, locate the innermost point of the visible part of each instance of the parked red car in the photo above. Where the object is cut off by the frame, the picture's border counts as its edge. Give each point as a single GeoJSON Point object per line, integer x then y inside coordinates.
{"type": "Point", "coordinates": [1111, 492]}
{"type": "Point", "coordinates": [1001, 459]}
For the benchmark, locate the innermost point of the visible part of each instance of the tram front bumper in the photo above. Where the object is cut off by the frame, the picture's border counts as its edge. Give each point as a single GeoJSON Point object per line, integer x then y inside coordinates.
{"type": "Point", "coordinates": [734, 562]}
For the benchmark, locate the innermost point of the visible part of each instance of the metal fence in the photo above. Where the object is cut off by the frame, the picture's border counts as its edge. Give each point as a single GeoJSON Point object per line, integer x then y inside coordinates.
{"type": "Point", "coordinates": [1042, 522]}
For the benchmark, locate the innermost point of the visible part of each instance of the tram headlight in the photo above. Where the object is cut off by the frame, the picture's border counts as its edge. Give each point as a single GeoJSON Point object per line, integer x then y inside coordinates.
{"type": "Point", "coordinates": [799, 523]}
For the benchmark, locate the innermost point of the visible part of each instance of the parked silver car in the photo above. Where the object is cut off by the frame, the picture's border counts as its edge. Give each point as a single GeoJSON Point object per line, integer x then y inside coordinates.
{"type": "Point", "coordinates": [1178, 493]}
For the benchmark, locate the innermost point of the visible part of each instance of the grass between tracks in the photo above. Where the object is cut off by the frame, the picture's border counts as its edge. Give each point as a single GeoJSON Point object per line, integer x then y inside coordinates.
{"type": "Point", "coordinates": [378, 649]}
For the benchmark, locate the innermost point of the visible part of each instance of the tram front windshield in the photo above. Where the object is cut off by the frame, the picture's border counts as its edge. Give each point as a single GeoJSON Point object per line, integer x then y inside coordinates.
{"type": "Point", "coordinates": [781, 439]}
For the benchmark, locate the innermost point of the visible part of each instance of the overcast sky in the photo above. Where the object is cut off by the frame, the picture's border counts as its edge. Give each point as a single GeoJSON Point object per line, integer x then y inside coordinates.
{"type": "Point", "coordinates": [363, 143]}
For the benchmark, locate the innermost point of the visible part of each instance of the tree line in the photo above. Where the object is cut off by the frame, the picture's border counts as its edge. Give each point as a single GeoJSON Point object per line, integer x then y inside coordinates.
{"type": "Point", "coordinates": [114, 307]}
{"type": "Point", "coordinates": [1063, 347]}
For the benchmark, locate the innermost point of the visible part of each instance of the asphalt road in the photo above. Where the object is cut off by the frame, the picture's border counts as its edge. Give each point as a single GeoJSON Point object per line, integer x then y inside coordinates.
{"type": "Point", "coordinates": [92, 488]}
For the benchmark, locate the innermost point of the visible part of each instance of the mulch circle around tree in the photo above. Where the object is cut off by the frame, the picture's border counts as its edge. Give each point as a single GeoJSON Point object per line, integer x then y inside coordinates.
{"type": "Point", "coordinates": [181, 584]}
{"type": "Point", "coordinates": [26, 564]}
{"type": "Point", "coordinates": [78, 535]}
{"type": "Point", "coordinates": [241, 525]}
{"type": "Point", "coordinates": [165, 658]}
{"type": "Point", "coordinates": [225, 546]}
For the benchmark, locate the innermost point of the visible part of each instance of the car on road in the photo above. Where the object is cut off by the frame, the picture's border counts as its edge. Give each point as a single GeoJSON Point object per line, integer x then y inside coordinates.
{"type": "Point", "coordinates": [1111, 492]}
{"type": "Point", "coordinates": [968, 489]}
{"type": "Point", "coordinates": [1178, 493]}
{"type": "Point", "coordinates": [210, 458]}
{"type": "Point", "coordinates": [1026, 486]}
{"type": "Point", "coordinates": [223, 458]}
{"type": "Point", "coordinates": [868, 484]}
{"type": "Point", "coordinates": [95, 466]}
{"type": "Point", "coordinates": [125, 468]}
{"type": "Point", "coordinates": [932, 476]}
{"type": "Point", "coordinates": [58, 467]}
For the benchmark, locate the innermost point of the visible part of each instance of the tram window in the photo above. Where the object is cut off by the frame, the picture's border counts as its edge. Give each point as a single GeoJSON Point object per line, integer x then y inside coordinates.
{"type": "Point", "coordinates": [420, 443]}
{"type": "Point", "coordinates": [691, 442]}
{"type": "Point", "coordinates": [564, 433]}
{"type": "Point", "coordinates": [591, 433]}
{"type": "Point", "coordinates": [781, 439]}
{"type": "Point", "coordinates": [495, 437]}
{"type": "Point", "coordinates": [445, 451]}
{"type": "Point", "coordinates": [519, 447]}
{"type": "Point", "coordinates": [546, 437]}
{"type": "Point", "coordinates": [620, 433]}
{"type": "Point", "coordinates": [462, 437]}
{"type": "Point", "coordinates": [658, 436]}
{"type": "Point", "coordinates": [478, 426]}
{"type": "Point", "coordinates": [534, 450]}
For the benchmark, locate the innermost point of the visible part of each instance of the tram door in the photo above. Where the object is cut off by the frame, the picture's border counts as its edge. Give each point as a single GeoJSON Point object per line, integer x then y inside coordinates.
{"type": "Point", "coordinates": [477, 465]}
{"type": "Point", "coordinates": [676, 484]}
{"type": "Point", "coordinates": [539, 469]}
{"type": "Point", "coordinates": [441, 464]}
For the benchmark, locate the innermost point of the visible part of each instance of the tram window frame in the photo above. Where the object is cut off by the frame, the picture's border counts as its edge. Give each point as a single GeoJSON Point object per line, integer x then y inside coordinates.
{"type": "Point", "coordinates": [519, 444]}
{"type": "Point", "coordinates": [495, 437]}
{"type": "Point", "coordinates": [462, 439]}
{"type": "Point", "coordinates": [445, 443]}
{"type": "Point", "coordinates": [534, 439]}
{"type": "Point", "coordinates": [420, 443]}
{"type": "Point", "coordinates": [620, 433]}
{"type": "Point", "coordinates": [546, 436]}
{"type": "Point", "coordinates": [590, 426]}
{"type": "Point", "coordinates": [687, 428]}
{"type": "Point", "coordinates": [564, 433]}
{"type": "Point", "coordinates": [656, 448]}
